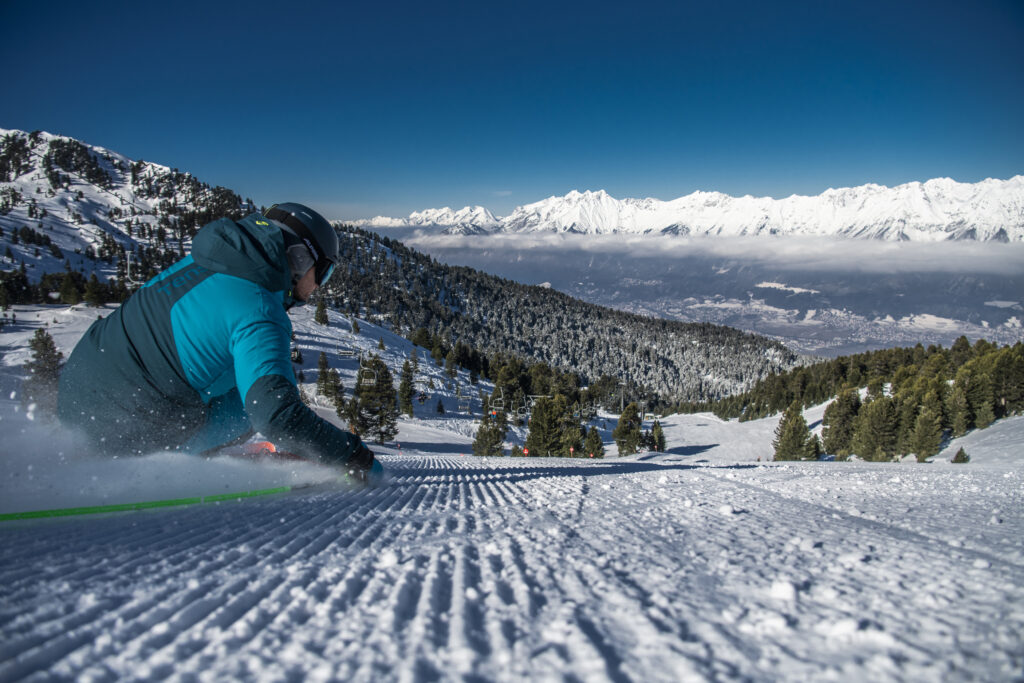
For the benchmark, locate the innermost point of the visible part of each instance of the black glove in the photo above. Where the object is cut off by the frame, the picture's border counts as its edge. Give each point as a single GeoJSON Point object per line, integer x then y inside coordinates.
{"type": "Point", "coordinates": [359, 464]}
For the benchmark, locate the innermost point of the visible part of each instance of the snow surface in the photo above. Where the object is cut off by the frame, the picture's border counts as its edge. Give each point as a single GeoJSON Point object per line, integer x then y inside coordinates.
{"type": "Point", "coordinates": [702, 563]}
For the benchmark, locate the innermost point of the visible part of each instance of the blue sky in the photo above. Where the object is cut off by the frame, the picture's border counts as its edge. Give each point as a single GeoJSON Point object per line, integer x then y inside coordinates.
{"type": "Point", "coordinates": [371, 108]}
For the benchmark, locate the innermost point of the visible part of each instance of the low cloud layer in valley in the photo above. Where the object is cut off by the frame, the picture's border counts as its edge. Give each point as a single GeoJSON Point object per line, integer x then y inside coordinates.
{"type": "Point", "coordinates": [821, 296]}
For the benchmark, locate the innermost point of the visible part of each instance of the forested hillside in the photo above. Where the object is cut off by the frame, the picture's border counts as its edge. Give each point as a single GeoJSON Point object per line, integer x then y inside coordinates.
{"type": "Point", "coordinates": [915, 398]}
{"type": "Point", "coordinates": [382, 279]}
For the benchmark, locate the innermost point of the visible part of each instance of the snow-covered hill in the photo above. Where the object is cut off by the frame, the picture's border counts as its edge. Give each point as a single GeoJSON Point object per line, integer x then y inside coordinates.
{"type": "Point", "coordinates": [702, 563]}
{"type": "Point", "coordinates": [939, 209]}
{"type": "Point", "coordinates": [95, 206]}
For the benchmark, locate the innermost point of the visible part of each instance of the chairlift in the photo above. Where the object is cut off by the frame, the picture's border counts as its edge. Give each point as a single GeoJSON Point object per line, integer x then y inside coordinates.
{"type": "Point", "coordinates": [346, 351]}
{"type": "Point", "coordinates": [465, 405]}
{"type": "Point", "coordinates": [367, 376]}
{"type": "Point", "coordinates": [498, 404]}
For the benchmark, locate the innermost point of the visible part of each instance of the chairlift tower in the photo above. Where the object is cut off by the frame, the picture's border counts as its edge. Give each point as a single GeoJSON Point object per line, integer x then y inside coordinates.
{"type": "Point", "coordinates": [128, 271]}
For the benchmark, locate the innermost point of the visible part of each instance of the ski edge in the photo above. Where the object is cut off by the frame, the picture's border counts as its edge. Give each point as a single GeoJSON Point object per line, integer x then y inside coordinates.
{"type": "Point", "coordinates": [143, 505]}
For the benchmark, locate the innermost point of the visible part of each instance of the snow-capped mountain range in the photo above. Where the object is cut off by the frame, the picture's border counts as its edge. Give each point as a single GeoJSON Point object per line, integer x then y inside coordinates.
{"type": "Point", "coordinates": [936, 210]}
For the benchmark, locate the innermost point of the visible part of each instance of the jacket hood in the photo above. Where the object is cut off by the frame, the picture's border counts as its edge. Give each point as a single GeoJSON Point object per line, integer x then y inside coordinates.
{"type": "Point", "coordinates": [251, 248]}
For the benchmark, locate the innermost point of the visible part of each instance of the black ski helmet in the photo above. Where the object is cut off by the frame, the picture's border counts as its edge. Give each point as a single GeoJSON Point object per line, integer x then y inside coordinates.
{"type": "Point", "coordinates": [311, 229]}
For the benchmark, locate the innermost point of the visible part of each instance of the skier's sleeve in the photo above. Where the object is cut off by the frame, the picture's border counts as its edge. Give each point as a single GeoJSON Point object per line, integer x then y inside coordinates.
{"type": "Point", "coordinates": [264, 377]}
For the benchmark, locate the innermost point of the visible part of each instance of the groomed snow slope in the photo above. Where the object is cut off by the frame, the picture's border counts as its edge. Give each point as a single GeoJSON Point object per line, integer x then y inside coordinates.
{"type": "Point", "coordinates": [698, 564]}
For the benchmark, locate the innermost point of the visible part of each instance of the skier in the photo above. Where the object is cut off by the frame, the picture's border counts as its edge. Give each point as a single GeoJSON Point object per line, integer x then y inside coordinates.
{"type": "Point", "coordinates": [199, 357]}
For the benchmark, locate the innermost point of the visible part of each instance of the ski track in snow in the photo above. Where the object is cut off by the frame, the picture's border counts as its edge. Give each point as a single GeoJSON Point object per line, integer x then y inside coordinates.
{"type": "Point", "coordinates": [461, 567]}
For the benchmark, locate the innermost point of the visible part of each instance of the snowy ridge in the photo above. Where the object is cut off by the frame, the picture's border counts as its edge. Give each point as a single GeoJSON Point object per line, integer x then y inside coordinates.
{"type": "Point", "coordinates": [468, 220]}
{"type": "Point", "coordinates": [139, 204]}
{"type": "Point", "coordinates": [939, 209]}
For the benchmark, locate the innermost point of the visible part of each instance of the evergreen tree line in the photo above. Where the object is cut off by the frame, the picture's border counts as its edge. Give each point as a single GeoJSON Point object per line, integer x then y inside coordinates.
{"type": "Point", "coordinates": [814, 384]}
{"type": "Point", "coordinates": [67, 287]}
{"type": "Point", "coordinates": [908, 409]}
{"type": "Point", "coordinates": [558, 429]}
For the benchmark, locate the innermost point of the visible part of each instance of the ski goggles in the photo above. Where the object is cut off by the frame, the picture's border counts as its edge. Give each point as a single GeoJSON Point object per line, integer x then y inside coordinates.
{"type": "Point", "coordinates": [323, 274]}
{"type": "Point", "coordinates": [324, 266]}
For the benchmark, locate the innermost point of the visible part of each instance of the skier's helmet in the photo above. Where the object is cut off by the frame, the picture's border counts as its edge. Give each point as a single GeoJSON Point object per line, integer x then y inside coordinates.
{"type": "Point", "coordinates": [311, 229]}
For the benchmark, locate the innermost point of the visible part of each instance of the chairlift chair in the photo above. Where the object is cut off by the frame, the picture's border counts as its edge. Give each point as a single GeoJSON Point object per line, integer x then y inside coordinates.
{"type": "Point", "coordinates": [367, 376]}
{"type": "Point", "coordinates": [498, 404]}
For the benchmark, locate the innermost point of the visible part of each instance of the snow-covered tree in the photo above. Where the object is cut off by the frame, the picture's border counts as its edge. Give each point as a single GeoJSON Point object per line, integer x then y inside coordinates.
{"type": "Point", "coordinates": [43, 369]}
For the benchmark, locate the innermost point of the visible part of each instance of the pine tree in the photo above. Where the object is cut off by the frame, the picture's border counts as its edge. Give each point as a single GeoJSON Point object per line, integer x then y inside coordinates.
{"type": "Point", "coordinates": [838, 423]}
{"type": "Point", "coordinates": [355, 326]}
{"type": "Point", "coordinates": [380, 344]}
{"type": "Point", "coordinates": [440, 407]}
{"type": "Point", "coordinates": [321, 375]}
{"type": "Point", "coordinates": [415, 361]}
{"type": "Point", "coordinates": [959, 410]}
{"type": "Point", "coordinates": [405, 390]}
{"type": "Point", "coordinates": [927, 434]}
{"type": "Point", "coordinates": [321, 313]}
{"type": "Point", "coordinates": [627, 431]}
{"type": "Point", "coordinates": [985, 415]}
{"type": "Point", "coordinates": [593, 447]}
{"type": "Point", "coordinates": [791, 435]}
{"type": "Point", "coordinates": [43, 369]}
{"type": "Point", "coordinates": [489, 437]}
{"type": "Point", "coordinates": [908, 405]}
{"type": "Point", "coordinates": [450, 363]}
{"type": "Point", "coordinates": [658, 435]}
{"type": "Point", "coordinates": [94, 292]}
{"type": "Point", "coordinates": [983, 401]}
{"type": "Point", "coordinates": [874, 431]}
{"type": "Point", "coordinates": [373, 412]}
{"type": "Point", "coordinates": [339, 393]}
{"type": "Point", "coordinates": [961, 457]}
{"type": "Point", "coordinates": [543, 438]}
{"type": "Point", "coordinates": [814, 448]}
{"type": "Point", "coordinates": [69, 293]}
{"type": "Point", "coordinates": [570, 442]}
{"type": "Point", "coordinates": [876, 388]}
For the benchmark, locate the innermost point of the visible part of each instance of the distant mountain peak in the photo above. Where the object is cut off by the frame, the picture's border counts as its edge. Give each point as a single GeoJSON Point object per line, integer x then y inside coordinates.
{"type": "Point", "coordinates": [933, 210]}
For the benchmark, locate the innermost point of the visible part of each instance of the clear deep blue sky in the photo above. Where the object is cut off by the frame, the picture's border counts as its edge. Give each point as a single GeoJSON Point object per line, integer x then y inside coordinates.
{"type": "Point", "coordinates": [366, 108]}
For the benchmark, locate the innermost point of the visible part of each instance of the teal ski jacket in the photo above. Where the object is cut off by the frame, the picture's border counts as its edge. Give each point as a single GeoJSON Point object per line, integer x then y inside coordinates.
{"type": "Point", "coordinates": [200, 355]}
